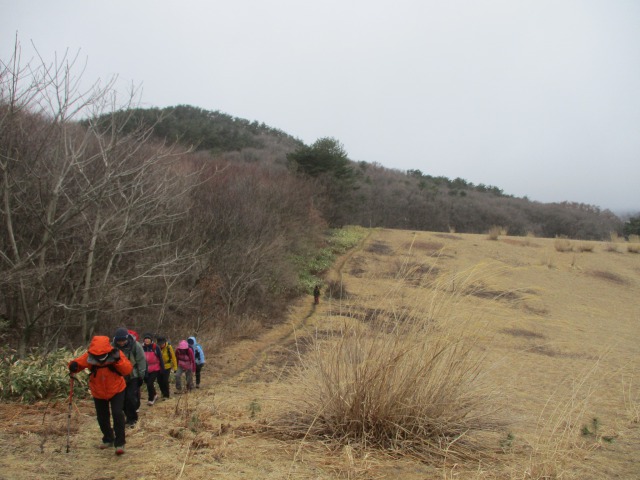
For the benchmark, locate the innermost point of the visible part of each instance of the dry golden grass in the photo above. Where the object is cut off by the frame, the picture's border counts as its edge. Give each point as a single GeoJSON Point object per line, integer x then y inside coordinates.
{"type": "Point", "coordinates": [555, 339]}
{"type": "Point", "coordinates": [410, 383]}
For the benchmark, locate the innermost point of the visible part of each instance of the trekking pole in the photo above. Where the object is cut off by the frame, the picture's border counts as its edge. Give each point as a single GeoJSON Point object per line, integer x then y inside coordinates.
{"type": "Point", "coordinates": [71, 379]}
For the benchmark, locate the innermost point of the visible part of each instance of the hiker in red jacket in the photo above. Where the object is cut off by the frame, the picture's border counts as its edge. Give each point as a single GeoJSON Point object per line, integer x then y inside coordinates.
{"type": "Point", "coordinates": [106, 383]}
{"type": "Point", "coordinates": [155, 366]}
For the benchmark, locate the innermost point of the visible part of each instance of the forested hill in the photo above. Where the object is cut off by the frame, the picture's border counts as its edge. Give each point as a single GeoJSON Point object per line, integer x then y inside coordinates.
{"type": "Point", "coordinates": [213, 131]}
{"type": "Point", "coordinates": [369, 194]}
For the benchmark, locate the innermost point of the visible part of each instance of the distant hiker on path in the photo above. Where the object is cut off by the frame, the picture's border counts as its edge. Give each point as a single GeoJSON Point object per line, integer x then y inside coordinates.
{"type": "Point", "coordinates": [126, 342]}
{"type": "Point", "coordinates": [155, 366]}
{"type": "Point", "coordinates": [186, 365]}
{"type": "Point", "coordinates": [170, 364]}
{"type": "Point", "coordinates": [108, 367]}
{"type": "Point", "coordinates": [198, 354]}
{"type": "Point", "coordinates": [316, 295]}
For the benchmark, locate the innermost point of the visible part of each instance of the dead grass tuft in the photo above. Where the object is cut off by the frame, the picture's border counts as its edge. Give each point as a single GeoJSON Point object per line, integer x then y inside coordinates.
{"type": "Point", "coordinates": [633, 248]}
{"type": "Point", "coordinates": [562, 244]}
{"type": "Point", "coordinates": [494, 232]}
{"type": "Point", "coordinates": [558, 440]}
{"type": "Point", "coordinates": [585, 247]}
{"type": "Point", "coordinates": [413, 387]}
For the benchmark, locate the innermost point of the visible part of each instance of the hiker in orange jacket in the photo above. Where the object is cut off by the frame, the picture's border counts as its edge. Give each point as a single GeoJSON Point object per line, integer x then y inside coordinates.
{"type": "Point", "coordinates": [107, 384]}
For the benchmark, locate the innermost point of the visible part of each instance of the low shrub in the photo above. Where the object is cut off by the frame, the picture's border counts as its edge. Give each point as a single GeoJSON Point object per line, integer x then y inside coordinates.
{"type": "Point", "coordinates": [313, 265]}
{"type": "Point", "coordinates": [38, 376]}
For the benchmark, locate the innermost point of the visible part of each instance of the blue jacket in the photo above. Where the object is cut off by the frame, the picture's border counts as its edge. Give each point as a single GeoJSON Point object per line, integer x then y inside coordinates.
{"type": "Point", "coordinates": [197, 350]}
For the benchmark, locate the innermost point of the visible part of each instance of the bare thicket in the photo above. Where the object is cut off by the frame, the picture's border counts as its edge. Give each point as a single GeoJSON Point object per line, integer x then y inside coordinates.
{"type": "Point", "coordinates": [255, 219]}
{"type": "Point", "coordinates": [92, 218]}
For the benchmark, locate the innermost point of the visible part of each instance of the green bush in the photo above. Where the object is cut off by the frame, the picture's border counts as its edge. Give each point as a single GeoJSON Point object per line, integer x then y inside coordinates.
{"type": "Point", "coordinates": [37, 376]}
{"type": "Point", "coordinates": [313, 265]}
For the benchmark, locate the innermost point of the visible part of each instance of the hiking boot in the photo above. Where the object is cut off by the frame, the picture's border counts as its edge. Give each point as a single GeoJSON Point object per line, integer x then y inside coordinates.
{"type": "Point", "coordinates": [120, 450]}
{"type": "Point", "coordinates": [151, 402]}
{"type": "Point", "coordinates": [105, 445]}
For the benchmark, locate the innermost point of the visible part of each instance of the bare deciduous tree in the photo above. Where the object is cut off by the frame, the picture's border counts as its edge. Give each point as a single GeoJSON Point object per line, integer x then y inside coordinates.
{"type": "Point", "coordinates": [90, 215]}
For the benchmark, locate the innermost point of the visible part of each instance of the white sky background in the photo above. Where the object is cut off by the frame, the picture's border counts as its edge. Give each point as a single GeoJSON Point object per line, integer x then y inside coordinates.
{"type": "Point", "coordinates": [537, 97]}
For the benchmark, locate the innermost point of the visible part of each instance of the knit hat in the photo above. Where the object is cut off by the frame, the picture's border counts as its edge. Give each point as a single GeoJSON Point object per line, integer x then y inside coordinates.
{"type": "Point", "coordinates": [121, 334]}
{"type": "Point", "coordinates": [147, 335]}
{"type": "Point", "coordinates": [182, 345]}
{"type": "Point", "coordinates": [161, 339]}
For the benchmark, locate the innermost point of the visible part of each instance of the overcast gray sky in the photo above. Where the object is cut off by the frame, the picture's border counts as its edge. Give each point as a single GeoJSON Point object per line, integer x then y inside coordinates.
{"type": "Point", "coordinates": [538, 97]}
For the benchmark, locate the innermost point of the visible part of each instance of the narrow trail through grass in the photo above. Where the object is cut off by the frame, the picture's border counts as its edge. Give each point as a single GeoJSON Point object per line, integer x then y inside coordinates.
{"type": "Point", "coordinates": [280, 335]}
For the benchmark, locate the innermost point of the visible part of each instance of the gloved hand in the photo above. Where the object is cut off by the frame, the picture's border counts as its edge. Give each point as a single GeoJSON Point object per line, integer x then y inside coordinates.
{"type": "Point", "coordinates": [115, 354]}
{"type": "Point", "coordinates": [73, 367]}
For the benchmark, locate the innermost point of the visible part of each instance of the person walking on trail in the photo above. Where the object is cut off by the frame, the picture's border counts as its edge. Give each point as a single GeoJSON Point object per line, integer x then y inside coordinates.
{"type": "Point", "coordinates": [198, 354]}
{"type": "Point", "coordinates": [316, 295]}
{"type": "Point", "coordinates": [108, 367]}
{"type": "Point", "coordinates": [155, 366]}
{"type": "Point", "coordinates": [170, 365]}
{"type": "Point", "coordinates": [126, 342]}
{"type": "Point", "coordinates": [186, 364]}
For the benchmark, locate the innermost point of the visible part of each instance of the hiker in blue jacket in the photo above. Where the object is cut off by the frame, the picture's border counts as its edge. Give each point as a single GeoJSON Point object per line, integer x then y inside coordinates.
{"type": "Point", "coordinates": [199, 354]}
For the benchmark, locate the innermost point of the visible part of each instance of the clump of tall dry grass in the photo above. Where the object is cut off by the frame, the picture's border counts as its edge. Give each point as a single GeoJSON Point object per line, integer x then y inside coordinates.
{"type": "Point", "coordinates": [634, 244]}
{"type": "Point", "coordinates": [585, 247]}
{"type": "Point", "coordinates": [413, 385]}
{"type": "Point", "coordinates": [558, 440]}
{"type": "Point", "coordinates": [495, 232]}
{"type": "Point", "coordinates": [562, 244]}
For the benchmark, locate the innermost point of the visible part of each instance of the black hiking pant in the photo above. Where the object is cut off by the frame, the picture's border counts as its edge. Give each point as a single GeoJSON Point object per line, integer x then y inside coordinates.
{"type": "Point", "coordinates": [115, 434]}
{"type": "Point", "coordinates": [198, 369]}
{"type": "Point", "coordinates": [163, 381]}
{"type": "Point", "coordinates": [151, 387]}
{"type": "Point", "coordinates": [132, 401]}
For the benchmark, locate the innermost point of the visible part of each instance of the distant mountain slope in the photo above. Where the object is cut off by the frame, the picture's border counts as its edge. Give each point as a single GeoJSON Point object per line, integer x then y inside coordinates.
{"type": "Point", "coordinates": [381, 196]}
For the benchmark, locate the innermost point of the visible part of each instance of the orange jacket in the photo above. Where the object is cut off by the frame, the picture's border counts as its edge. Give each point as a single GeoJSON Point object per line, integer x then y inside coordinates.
{"type": "Point", "coordinates": [107, 378]}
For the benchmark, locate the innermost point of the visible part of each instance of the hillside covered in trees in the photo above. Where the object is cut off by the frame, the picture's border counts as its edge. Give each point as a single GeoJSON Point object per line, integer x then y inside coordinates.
{"type": "Point", "coordinates": [180, 216]}
{"type": "Point", "coordinates": [370, 194]}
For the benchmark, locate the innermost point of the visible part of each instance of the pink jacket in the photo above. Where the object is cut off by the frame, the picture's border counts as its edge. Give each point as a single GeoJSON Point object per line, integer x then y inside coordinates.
{"type": "Point", "coordinates": [185, 356]}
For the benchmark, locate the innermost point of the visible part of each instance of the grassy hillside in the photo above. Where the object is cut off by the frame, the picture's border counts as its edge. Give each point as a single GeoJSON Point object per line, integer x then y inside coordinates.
{"type": "Point", "coordinates": [550, 330]}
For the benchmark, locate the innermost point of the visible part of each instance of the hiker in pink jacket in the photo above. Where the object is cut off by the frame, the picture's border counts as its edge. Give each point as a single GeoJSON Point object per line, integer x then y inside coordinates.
{"type": "Point", "coordinates": [186, 364]}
